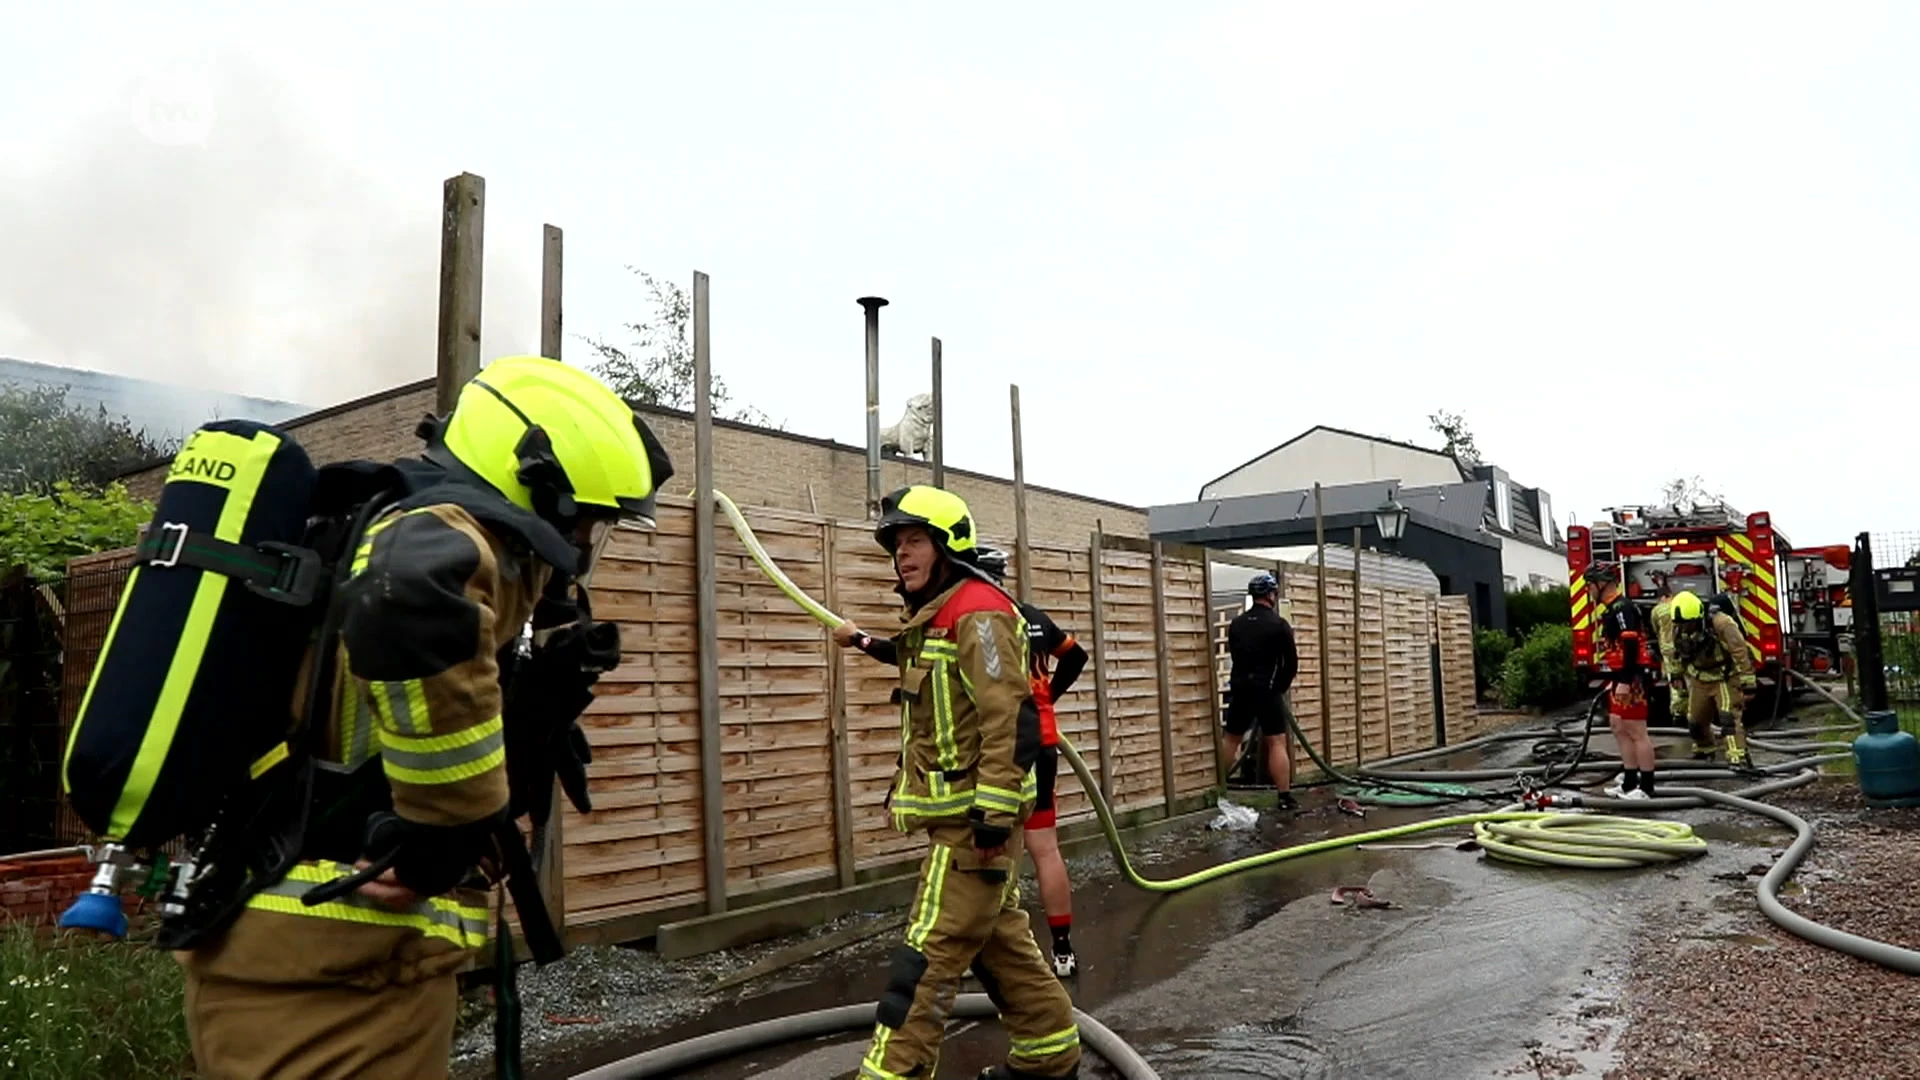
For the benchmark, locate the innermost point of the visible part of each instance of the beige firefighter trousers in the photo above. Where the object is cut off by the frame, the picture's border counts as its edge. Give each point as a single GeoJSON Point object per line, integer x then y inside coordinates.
{"type": "Point", "coordinates": [961, 919]}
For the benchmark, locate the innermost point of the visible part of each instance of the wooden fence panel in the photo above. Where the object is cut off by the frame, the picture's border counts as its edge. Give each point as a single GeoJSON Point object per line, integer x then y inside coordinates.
{"type": "Point", "coordinates": [864, 580]}
{"type": "Point", "coordinates": [1456, 665]}
{"type": "Point", "coordinates": [776, 735]}
{"type": "Point", "coordinates": [1133, 681]}
{"type": "Point", "coordinates": [1062, 586]}
{"type": "Point", "coordinates": [1191, 669]}
{"type": "Point", "coordinates": [640, 848]}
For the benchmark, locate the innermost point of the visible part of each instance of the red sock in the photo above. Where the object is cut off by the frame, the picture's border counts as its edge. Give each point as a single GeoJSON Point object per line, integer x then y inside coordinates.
{"type": "Point", "coordinates": [1062, 927]}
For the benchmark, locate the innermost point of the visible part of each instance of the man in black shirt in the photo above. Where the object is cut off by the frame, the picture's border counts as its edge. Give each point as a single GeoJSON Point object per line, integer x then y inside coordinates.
{"type": "Point", "coordinates": [1260, 643]}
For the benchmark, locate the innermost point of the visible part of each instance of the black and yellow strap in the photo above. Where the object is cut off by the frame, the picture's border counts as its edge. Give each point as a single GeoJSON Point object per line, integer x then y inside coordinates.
{"type": "Point", "coordinates": [280, 572]}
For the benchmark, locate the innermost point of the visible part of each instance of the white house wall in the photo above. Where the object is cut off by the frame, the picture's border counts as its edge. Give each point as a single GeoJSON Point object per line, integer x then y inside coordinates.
{"type": "Point", "coordinates": [1521, 562]}
{"type": "Point", "coordinates": [1331, 458]}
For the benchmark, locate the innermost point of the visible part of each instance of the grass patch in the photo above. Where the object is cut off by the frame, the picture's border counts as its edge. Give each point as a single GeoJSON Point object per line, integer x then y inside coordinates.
{"type": "Point", "coordinates": [72, 1008]}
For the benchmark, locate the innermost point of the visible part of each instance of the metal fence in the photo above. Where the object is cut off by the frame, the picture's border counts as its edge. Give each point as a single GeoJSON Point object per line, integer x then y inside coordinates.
{"type": "Point", "coordinates": [43, 676]}
{"type": "Point", "coordinates": [1900, 630]}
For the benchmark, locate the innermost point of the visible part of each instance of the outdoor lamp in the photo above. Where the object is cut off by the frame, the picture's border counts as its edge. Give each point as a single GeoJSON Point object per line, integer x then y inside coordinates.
{"type": "Point", "coordinates": [1391, 519]}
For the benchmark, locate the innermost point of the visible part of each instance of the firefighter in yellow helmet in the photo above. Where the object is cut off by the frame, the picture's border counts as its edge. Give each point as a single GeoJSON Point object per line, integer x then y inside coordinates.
{"type": "Point", "coordinates": [1662, 618]}
{"type": "Point", "coordinates": [1715, 661]}
{"type": "Point", "coordinates": [970, 734]}
{"type": "Point", "coordinates": [444, 728]}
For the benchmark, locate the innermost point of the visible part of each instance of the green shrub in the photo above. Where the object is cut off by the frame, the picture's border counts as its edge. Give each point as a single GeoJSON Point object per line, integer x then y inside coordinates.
{"type": "Point", "coordinates": [1540, 671]}
{"type": "Point", "coordinates": [1526, 610]}
{"type": "Point", "coordinates": [1490, 651]}
{"type": "Point", "coordinates": [42, 531]}
{"type": "Point", "coordinates": [72, 1008]}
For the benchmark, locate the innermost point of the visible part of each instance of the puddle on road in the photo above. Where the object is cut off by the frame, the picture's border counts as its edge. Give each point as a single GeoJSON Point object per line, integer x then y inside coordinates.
{"type": "Point", "coordinates": [1271, 1051]}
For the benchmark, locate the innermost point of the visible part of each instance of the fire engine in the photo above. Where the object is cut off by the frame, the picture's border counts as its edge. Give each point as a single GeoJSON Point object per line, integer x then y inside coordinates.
{"type": "Point", "coordinates": [1707, 550]}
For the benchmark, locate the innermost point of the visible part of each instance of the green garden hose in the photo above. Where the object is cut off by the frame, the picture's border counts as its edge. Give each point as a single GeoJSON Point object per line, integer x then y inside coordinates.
{"type": "Point", "coordinates": [1528, 836]}
{"type": "Point", "coordinates": [1381, 795]}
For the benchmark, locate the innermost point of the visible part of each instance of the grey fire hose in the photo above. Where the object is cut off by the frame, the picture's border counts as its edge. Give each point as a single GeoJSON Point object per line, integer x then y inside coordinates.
{"type": "Point", "coordinates": [1879, 952]}
{"type": "Point", "coordinates": [704, 1049]}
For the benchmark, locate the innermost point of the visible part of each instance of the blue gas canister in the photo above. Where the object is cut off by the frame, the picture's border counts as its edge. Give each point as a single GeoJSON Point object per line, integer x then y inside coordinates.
{"type": "Point", "coordinates": [1887, 762]}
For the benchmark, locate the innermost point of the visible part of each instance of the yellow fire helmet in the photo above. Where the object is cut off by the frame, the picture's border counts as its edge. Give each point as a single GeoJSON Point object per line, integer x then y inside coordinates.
{"type": "Point", "coordinates": [1687, 607]}
{"type": "Point", "coordinates": [553, 439]}
{"type": "Point", "coordinates": [942, 513]}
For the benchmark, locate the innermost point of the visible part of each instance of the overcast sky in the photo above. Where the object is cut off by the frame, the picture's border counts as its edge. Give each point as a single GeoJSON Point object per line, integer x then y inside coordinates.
{"type": "Point", "coordinates": [1626, 242]}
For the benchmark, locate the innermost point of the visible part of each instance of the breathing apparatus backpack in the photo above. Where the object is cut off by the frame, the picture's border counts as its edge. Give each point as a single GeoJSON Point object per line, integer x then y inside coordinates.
{"type": "Point", "coordinates": [201, 725]}
{"type": "Point", "coordinates": [188, 727]}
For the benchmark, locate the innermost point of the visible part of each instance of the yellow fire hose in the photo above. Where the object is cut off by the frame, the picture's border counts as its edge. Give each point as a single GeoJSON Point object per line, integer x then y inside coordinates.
{"type": "Point", "coordinates": [1587, 841]}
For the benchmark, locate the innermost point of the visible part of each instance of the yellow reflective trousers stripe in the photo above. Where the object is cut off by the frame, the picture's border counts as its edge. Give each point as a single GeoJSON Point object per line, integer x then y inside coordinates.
{"type": "Point", "coordinates": [462, 925]}
{"type": "Point", "coordinates": [924, 920]}
{"type": "Point", "coordinates": [1037, 1050]}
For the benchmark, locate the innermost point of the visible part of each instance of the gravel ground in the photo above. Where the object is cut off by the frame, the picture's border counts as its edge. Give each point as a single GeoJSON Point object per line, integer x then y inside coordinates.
{"type": "Point", "coordinates": [1718, 991]}
{"type": "Point", "coordinates": [599, 995]}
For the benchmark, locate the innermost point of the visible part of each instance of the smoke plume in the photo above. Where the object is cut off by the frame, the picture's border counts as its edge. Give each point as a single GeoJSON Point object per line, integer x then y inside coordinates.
{"type": "Point", "coordinates": [241, 255]}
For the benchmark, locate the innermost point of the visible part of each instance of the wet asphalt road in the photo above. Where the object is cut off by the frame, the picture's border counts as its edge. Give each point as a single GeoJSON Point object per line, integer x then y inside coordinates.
{"type": "Point", "coordinates": [1260, 975]}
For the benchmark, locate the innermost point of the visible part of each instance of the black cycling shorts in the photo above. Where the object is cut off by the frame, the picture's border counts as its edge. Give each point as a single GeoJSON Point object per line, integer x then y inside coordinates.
{"type": "Point", "coordinates": [1271, 712]}
{"type": "Point", "coordinates": [1046, 770]}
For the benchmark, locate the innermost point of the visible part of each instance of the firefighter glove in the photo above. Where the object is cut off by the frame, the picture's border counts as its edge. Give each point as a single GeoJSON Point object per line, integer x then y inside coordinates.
{"type": "Point", "coordinates": [429, 859]}
{"type": "Point", "coordinates": [550, 689]}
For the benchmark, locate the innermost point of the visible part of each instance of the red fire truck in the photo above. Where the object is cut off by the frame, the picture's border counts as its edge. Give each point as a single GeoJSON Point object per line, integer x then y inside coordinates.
{"type": "Point", "coordinates": [1713, 549]}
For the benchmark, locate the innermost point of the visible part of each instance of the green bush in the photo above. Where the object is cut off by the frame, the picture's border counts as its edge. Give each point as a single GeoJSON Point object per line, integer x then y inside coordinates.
{"type": "Point", "coordinates": [1540, 671]}
{"type": "Point", "coordinates": [1490, 651]}
{"type": "Point", "coordinates": [1526, 610]}
{"type": "Point", "coordinates": [75, 1008]}
{"type": "Point", "coordinates": [43, 531]}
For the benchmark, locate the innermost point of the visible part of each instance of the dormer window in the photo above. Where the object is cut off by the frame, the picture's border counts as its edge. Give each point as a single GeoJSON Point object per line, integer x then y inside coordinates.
{"type": "Point", "coordinates": [1503, 505]}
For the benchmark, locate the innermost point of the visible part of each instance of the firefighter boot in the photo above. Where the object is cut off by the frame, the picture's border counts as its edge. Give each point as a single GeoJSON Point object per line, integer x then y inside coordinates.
{"type": "Point", "coordinates": [1008, 1072]}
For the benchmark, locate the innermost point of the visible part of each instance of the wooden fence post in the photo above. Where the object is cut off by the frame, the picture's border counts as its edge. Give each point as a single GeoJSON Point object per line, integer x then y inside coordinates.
{"type": "Point", "coordinates": [940, 424]}
{"type": "Point", "coordinates": [550, 306]}
{"type": "Point", "coordinates": [552, 853]}
{"type": "Point", "coordinates": [1022, 554]}
{"type": "Point", "coordinates": [1213, 669]}
{"type": "Point", "coordinates": [1097, 616]}
{"type": "Point", "coordinates": [842, 763]}
{"type": "Point", "coordinates": [1163, 670]}
{"type": "Point", "coordinates": [712, 791]}
{"type": "Point", "coordinates": [1359, 674]}
{"type": "Point", "coordinates": [1324, 628]}
{"type": "Point", "coordinates": [463, 218]}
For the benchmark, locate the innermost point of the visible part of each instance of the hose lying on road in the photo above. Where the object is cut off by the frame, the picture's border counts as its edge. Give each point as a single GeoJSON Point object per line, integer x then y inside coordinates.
{"type": "Point", "coordinates": [1588, 843]}
{"type": "Point", "coordinates": [1879, 952]}
{"type": "Point", "coordinates": [678, 1057]}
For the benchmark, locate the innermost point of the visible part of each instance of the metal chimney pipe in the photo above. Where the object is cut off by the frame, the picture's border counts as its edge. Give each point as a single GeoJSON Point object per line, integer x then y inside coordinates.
{"type": "Point", "coordinates": [873, 304]}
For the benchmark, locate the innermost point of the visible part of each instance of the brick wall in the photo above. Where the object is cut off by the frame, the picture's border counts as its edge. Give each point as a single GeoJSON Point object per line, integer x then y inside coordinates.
{"type": "Point", "coordinates": [754, 466]}
{"type": "Point", "coordinates": [35, 890]}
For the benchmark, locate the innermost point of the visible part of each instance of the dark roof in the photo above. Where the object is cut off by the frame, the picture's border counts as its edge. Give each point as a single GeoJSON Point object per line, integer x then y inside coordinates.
{"type": "Point", "coordinates": [1337, 431]}
{"type": "Point", "coordinates": [1264, 520]}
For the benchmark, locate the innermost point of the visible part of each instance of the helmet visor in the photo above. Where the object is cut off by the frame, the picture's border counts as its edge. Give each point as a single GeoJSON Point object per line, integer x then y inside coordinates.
{"type": "Point", "coordinates": [590, 536]}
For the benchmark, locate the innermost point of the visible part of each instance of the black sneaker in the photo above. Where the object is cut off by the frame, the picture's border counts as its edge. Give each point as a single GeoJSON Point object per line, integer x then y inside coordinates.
{"type": "Point", "coordinates": [1286, 802]}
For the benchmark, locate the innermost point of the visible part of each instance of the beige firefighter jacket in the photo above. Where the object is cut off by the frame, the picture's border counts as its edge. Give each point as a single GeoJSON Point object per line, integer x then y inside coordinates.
{"type": "Point", "coordinates": [969, 728]}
